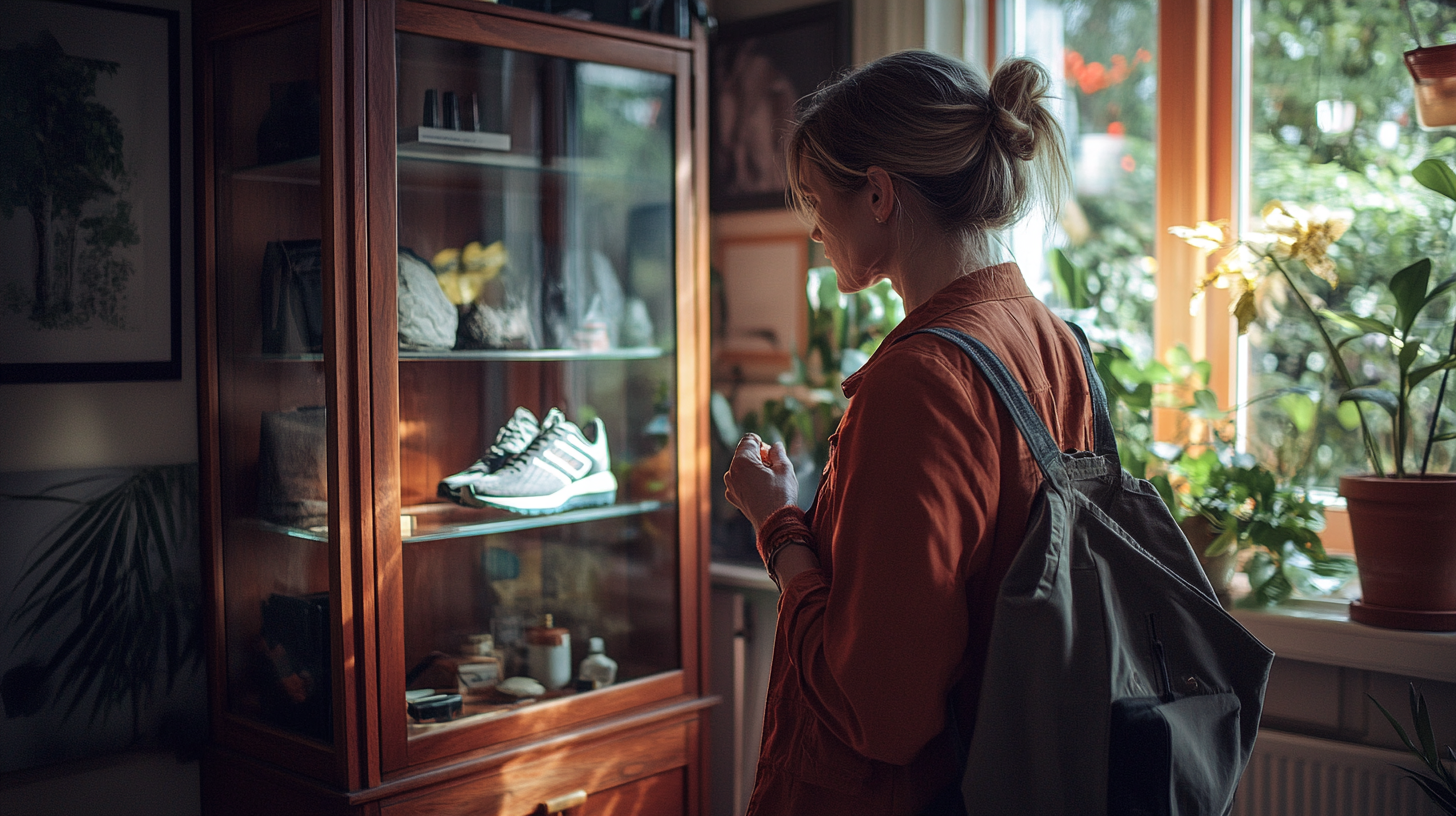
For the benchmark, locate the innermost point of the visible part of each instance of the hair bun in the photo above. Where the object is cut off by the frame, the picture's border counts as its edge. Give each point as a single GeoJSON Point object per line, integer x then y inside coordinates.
{"type": "Point", "coordinates": [1017, 90]}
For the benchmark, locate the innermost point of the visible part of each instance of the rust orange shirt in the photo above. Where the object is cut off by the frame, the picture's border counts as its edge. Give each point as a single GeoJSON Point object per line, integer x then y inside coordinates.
{"type": "Point", "coordinates": [921, 508]}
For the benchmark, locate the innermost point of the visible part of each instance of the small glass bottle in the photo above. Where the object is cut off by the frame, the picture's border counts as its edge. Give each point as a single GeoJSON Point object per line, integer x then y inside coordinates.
{"type": "Point", "coordinates": [597, 669]}
{"type": "Point", "coordinates": [548, 654]}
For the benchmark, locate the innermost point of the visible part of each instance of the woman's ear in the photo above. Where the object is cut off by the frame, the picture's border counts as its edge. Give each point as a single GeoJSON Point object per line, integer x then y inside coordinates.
{"type": "Point", "coordinates": [881, 193]}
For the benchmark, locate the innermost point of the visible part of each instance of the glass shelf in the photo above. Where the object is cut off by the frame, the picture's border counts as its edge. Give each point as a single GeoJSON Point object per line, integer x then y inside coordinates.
{"type": "Point", "coordinates": [537, 355]}
{"type": "Point", "coordinates": [436, 522]}
{"type": "Point", "coordinates": [306, 170]}
{"type": "Point", "coordinates": [426, 151]}
{"type": "Point", "coordinates": [497, 355]}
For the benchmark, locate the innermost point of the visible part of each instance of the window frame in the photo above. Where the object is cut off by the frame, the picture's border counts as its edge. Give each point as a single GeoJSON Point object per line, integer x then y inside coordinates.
{"type": "Point", "coordinates": [1201, 154]}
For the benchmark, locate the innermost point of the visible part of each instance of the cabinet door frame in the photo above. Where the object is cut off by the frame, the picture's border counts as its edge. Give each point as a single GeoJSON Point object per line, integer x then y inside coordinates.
{"type": "Point", "coordinates": [346, 382]}
{"type": "Point", "coordinates": [512, 29]}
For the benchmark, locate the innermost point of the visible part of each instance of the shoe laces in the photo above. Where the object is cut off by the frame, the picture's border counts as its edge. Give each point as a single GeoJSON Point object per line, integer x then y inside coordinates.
{"type": "Point", "coordinates": [549, 432]}
{"type": "Point", "coordinates": [513, 436]}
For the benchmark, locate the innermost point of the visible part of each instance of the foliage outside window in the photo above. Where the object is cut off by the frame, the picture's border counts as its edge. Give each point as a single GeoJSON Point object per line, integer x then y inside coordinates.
{"type": "Point", "coordinates": [1332, 122]}
{"type": "Point", "coordinates": [1102, 55]}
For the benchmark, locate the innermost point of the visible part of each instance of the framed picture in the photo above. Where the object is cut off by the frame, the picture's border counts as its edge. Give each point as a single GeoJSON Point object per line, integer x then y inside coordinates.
{"type": "Point", "coordinates": [760, 69]}
{"type": "Point", "coordinates": [90, 194]}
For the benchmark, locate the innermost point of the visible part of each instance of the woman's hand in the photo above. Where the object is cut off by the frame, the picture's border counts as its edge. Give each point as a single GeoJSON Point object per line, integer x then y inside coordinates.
{"type": "Point", "coordinates": [760, 479]}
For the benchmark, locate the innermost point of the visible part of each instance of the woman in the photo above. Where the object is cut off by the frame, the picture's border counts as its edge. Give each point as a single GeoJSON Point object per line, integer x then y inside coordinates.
{"type": "Point", "coordinates": [907, 167]}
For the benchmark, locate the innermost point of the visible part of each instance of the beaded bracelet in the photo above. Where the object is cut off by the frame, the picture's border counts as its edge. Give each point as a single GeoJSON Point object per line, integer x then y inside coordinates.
{"type": "Point", "coordinates": [784, 526]}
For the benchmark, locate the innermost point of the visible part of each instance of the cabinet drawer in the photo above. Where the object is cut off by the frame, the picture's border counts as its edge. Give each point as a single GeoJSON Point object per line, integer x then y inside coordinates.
{"type": "Point", "coordinates": [619, 775]}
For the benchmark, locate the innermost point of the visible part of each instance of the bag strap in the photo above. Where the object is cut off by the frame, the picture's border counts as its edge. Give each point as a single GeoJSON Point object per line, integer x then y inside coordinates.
{"type": "Point", "coordinates": [1009, 391]}
{"type": "Point", "coordinates": [1104, 440]}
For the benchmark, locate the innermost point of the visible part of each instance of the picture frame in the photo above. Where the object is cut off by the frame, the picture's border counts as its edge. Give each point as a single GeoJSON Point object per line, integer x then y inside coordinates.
{"type": "Point", "coordinates": [90, 290]}
{"type": "Point", "coordinates": [760, 68]}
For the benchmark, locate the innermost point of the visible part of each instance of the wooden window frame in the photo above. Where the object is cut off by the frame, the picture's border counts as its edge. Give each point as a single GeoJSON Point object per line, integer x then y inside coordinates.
{"type": "Point", "coordinates": [1197, 167]}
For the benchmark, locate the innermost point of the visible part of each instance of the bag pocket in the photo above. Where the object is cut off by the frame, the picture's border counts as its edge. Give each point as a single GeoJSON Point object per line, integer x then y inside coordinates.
{"type": "Point", "coordinates": [1174, 758]}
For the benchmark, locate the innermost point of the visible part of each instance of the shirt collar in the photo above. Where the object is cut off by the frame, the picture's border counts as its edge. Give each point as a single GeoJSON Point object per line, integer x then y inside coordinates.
{"type": "Point", "coordinates": [999, 282]}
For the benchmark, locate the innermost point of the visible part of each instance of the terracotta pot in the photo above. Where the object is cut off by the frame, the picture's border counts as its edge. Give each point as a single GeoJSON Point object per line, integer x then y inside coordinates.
{"type": "Point", "coordinates": [1434, 72]}
{"type": "Point", "coordinates": [1405, 545]}
{"type": "Point", "coordinates": [1219, 568]}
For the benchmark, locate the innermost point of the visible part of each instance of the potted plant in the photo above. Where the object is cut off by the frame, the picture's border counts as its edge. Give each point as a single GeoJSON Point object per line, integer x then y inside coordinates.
{"type": "Point", "coordinates": [1235, 512]}
{"type": "Point", "coordinates": [1403, 518]}
{"type": "Point", "coordinates": [1244, 506]}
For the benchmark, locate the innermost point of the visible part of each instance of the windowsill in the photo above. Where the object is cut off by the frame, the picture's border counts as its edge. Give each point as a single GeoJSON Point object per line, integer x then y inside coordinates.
{"type": "Point", "coordinates": [1318, 631]}
{"type": "Point", "coordinates": [1313, 631]}
{"type": "Point", "coordinates": [741, 576]}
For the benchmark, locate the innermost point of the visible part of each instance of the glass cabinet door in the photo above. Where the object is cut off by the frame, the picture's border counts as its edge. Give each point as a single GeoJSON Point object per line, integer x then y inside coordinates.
{"type": "Point", "coordinates": [537, 376]}
{"type": "Point", "coordinates": [275, 491]}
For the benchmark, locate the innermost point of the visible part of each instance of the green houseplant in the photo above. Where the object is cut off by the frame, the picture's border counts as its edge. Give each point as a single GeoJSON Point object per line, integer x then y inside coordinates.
{"type": "Point", "coordinates": [1403, 518]}
{"type": "Point", "coordinates": [103, 609]}
{"type": "Point", "coordinates": [1233, 510]}
{"type": "Point", "coordinates": [1438, 783]}
{"type": "Point", "coordinates": [843, 331]}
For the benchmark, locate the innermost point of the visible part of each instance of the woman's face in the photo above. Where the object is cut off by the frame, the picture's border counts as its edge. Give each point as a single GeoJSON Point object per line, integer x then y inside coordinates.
{"type": "Point", "coordinates": [844, 223]}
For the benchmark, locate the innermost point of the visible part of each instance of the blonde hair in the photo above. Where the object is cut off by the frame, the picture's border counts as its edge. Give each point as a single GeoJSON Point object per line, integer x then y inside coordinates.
{"type": "Point", "coordinates": [980, 156]}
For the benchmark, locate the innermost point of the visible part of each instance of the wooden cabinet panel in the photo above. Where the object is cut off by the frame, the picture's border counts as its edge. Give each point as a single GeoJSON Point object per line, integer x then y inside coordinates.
{"type": "Point", "coordinates": [643, 770]}
{"type": "Point", "coordinates": [659, 794]}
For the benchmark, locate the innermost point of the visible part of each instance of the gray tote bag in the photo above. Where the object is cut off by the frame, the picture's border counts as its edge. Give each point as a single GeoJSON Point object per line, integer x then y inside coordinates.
{"type": "Point", "coordinates": [1114, 682]}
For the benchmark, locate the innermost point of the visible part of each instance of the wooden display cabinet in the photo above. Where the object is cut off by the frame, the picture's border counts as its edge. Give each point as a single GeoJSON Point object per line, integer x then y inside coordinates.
{"type": "Point", "coordinates": [414, 218]}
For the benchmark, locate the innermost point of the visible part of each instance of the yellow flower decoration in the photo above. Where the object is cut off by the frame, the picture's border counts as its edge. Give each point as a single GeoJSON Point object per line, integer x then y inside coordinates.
{"type": "Point", "coordinates": [1296, 233]}
{"type": "Point", "coordinates": [1208, 236]}
{"type": "Point", "coordinates": [1306, 236]}
{"type": "Point", "coordinates": [1239, 270]}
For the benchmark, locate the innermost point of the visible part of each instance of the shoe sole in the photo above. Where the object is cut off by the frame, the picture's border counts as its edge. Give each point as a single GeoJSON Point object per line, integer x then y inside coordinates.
{"type": "Point", "coordinates": [596, 490]}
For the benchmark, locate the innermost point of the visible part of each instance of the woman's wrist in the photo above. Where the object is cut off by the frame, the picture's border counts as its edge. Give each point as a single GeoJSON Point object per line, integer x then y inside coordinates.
{"type": "Point", "coordinates": [790, 560]}
{"type": "Point", "coordinates": [785, 527]}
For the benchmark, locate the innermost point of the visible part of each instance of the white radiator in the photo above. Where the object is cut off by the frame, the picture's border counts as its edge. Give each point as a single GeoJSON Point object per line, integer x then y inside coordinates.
{"type": "Point", "coordinates": [1291, 775]}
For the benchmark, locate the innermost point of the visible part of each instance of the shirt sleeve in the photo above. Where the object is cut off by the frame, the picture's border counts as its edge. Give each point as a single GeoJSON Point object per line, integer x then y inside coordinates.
{"type": "Point", "coordinates": [877, 638]}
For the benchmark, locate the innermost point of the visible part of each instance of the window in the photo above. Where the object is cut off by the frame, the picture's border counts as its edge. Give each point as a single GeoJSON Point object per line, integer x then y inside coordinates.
{"type": "Point", "coordinates": [1329, 119]}
{"type": "Point", "coordinates": [1306, 101]}
{"type": "Point", "coordinates": [1101, 54]}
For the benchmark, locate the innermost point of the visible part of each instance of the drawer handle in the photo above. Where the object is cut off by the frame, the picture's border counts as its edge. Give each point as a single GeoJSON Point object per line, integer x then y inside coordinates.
{"type": "Point", "coordinates": [576, 798]}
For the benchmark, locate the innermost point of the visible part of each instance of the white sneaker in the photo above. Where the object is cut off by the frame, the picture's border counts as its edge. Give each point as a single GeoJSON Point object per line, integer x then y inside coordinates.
{"type": "Point", "coordinates": [561, 469]}
{"type": "Point", "coordinates": [513, 438]}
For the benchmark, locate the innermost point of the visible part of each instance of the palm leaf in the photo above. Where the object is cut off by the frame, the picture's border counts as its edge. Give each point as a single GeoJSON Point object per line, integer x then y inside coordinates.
{"type": "Point", "coordinates": [1434, 790]}
{"type": "Point", "coordinates": [1440, 788]}
{"type": "Point", "coordinates": [57, 553]}
{"type": "Point", "coordinates": [110, 567]}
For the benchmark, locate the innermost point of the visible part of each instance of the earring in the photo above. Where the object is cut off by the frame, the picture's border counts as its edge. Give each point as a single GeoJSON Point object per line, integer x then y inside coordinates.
{"type": "Point", "coordinates": [879, 220]}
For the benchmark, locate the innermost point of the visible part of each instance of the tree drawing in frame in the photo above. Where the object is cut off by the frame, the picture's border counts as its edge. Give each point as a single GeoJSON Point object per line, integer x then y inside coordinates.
{"type": "Point", "coordinates": [90, 192]}
{"type": "Point", "coordinates": [61, 161]}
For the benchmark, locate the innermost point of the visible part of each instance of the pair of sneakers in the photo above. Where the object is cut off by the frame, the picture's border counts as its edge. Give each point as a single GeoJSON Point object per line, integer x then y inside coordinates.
{"type": "Point", "coordinates": [538, 467]}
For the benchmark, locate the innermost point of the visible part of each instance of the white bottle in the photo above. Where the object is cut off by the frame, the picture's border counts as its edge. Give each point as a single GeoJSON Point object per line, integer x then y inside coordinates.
{"type": "Point", "coordinates": [548, 654]}
{"type": "Point", "coordinates": [597, 668]}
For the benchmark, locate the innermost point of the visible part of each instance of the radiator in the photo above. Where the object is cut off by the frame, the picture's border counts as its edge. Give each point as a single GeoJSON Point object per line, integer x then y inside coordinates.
{"type": "Point", "coordinates": [1292, 775]}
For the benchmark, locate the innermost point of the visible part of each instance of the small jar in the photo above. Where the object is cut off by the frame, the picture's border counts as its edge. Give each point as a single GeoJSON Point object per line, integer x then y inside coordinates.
{"type": "Point", "coordinates": [548, 654]}
{"type": "Point", "coordinates": [597, 670]}
{"type": "Point", "coordinates": [479, 667]}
